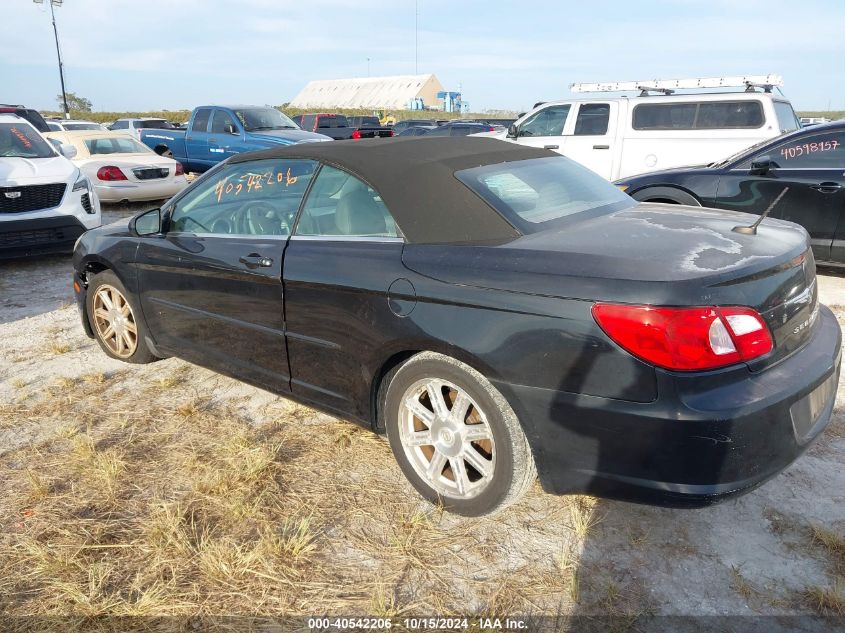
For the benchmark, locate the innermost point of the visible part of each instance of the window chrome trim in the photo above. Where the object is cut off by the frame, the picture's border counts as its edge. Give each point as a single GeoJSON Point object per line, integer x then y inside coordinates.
{"type": "Point", "coordinates": [255, 236]}
{"type": "Point", "coordinates": [348, 238]}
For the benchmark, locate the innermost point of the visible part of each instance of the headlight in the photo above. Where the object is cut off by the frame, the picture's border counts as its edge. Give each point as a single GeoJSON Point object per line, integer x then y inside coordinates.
{"type": "Point", "coordinates": [81, 183]}
{"type": "Point", "coordinates": [622, 187]}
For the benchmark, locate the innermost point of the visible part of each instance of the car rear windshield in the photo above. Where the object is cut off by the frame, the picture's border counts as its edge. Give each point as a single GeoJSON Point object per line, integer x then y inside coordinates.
{"type": "Point", "coordinates": [332, 121]}
{"type": "Point", "coordinates": [22, 141]}
{"type": "Point", "coordinates": [116, 145]}
{"type": "Point", "coordinates": [156, 124]}
{"type": "Point", "coordinates": [83, 126]}
{"type": "Point", "coordinates": [262, 119]}
{"type": "Point", "coordinates": [540, 193]}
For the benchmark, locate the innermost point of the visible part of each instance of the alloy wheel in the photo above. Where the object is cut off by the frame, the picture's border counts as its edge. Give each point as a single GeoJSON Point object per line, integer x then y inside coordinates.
{"type": "Point", "coordinates": [447, 438]}
{"type": "Point", "coordinates": [115, 322]}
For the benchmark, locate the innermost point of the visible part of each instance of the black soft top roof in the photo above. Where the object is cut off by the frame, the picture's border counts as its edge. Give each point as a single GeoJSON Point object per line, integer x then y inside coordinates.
{"type": "Point", "coordinates": [415, 178]}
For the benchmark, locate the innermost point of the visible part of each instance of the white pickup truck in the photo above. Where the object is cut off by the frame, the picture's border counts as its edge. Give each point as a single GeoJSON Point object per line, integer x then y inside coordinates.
{"type": "Point", "coordinates": [618, 137]}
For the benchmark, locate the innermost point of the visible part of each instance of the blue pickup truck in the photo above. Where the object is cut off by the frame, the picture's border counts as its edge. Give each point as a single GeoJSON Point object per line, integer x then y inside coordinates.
{"type": "Point", "coordinates": [216, 132]}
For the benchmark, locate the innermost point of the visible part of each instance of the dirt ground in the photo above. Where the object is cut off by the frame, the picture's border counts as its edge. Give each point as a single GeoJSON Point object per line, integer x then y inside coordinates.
{"type": "Point", "coordinates": [777, 551]}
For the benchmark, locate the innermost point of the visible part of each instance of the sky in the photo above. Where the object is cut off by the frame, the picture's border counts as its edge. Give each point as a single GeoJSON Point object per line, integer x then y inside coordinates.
{"type": "Point", "coordinates": [142, 55]}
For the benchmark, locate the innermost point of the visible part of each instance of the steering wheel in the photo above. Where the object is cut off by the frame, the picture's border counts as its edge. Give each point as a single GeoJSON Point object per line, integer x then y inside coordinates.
{"type": "Point", "coordinates": [261, 218]}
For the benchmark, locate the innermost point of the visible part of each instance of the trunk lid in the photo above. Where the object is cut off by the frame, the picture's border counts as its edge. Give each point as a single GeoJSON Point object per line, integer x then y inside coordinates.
{"type": "Point", "coordinates": [651, 254]}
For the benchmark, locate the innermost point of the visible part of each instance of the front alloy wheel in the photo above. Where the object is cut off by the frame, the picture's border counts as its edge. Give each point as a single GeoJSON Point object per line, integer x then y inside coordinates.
{"type": "Point", "coordinates": [115, 322]}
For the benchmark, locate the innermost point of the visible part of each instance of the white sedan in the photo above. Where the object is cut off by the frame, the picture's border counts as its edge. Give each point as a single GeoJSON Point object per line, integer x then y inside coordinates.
{"type": "Point", "coordinates": [121, 168]}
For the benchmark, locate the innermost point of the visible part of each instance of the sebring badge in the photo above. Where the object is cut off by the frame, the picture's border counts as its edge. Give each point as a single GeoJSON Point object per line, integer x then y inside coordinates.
{"type": "Point", "coordinates": [13, 194]}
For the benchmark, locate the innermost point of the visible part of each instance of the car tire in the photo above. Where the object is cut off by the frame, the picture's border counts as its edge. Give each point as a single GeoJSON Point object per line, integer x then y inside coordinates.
{"type": "Point", "coordinates": [478, 460]}
{"type": "Point", "coordinates": [113, 314]}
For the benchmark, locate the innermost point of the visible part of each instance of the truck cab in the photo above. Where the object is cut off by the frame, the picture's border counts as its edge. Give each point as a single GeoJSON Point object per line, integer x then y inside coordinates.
{"type": "Point", "coordinates": [214, 133]}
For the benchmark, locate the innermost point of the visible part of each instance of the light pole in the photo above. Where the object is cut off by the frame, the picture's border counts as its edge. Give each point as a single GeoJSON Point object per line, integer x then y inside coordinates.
{"type": "Point", "coordinates": [53, 4]}
{"type": "Point", "coordinates": [368, 67]}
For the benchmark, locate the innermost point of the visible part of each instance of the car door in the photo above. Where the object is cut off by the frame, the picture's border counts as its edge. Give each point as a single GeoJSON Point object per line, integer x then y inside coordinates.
{"type": "Point", "coordinates": [221, 142]}
{"type": "Point", "coordinates": [196, 140]}
{"type": "Point", "coordinates": [211, 285]}
{"type": "Point", "coordinates": [343, 257]}
{"type": "Point", "coordinates": [592, 140]}
{"type": "Point", "coordinates": [810, 168]}
{"type": "Point", "coordinates": [545, 127]}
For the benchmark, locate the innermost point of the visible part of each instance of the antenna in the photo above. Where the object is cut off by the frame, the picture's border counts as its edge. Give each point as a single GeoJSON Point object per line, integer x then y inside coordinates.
{"type": "Point", "coordinates": [752, 230]}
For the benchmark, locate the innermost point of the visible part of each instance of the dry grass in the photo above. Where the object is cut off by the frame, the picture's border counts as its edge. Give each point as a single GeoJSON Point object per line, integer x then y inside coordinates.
{"type": "Point", "coordinates": [833, 542]}
{"type": "Point", "coordinates": [134, 503]}
{"type": "Point", "coordinates": [827, 600]}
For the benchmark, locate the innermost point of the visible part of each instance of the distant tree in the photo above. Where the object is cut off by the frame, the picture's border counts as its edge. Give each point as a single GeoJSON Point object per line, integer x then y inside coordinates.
{"type": "Point", "coordinates": [75, 102]}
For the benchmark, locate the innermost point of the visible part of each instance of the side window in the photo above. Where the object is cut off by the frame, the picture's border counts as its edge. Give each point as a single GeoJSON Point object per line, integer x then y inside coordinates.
{"type": "Point", "coordinates": [443, 130]}
{"type": "Point", "coordinates": [200, 123]}
{"type": "Point", "coordinates": [340, 204]}
{"type": "Point", "coordinates": [814, 151]}
{"type": "Point", "coordinates": [254, 198]}
{"type": "Point", "coordinates": [664, 116]}
{"type": "Point", "coordinates": [220, 120]}
{"type": "Point", "coordinates": [307, 122]}
{"type": "Point", "coordinates": [546, 122]}
{"type": "Point", "coordinates": [119, 125]}
{"type": "Point", "coordinates": [593, 119]}
{"type": "Point", "coordinates": [730, 114]}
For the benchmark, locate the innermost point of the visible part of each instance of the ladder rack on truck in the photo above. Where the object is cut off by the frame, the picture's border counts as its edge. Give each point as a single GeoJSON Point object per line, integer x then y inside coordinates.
{"type": "Point", "coordinates": [668, 86]}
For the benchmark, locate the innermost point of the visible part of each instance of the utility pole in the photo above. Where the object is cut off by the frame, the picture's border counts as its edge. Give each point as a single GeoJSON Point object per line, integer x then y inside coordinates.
{"type": "Point", "coordinates": [416, 37]}
{"type": "Point", "coordinates": [53, 4]}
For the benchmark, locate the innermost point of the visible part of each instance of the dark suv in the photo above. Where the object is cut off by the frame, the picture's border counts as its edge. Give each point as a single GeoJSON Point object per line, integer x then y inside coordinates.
{"type": "Point", "coordinates": [33, 116]}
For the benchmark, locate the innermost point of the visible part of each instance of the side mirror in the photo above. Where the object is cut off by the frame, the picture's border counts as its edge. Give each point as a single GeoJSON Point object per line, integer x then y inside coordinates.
{"type": "Point", "coordinates": [67, 150]}
{"type": "Point", "coordinates": [230, 129]}
{"type": "Point", "coordinates": [147, 223]}
{"type": "Point", "coordinates": [762, 166]}
{"type": "Point", "coordinates": [513, 131]}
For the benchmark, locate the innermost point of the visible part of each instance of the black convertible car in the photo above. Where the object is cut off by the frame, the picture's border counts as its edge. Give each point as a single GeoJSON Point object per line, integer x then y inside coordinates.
{"type": "Point", "coordinates": [808, 164]}
{"type": "Point", "coordinates": [491, 307]}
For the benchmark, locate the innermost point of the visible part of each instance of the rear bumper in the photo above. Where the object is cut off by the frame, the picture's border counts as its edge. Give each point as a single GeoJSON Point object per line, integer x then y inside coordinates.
{"type": "Point", "coordinates": [142, 190]}
{"type": "Point", "coordinates": [706, 437]}
{"type": "Point", "coordinates": [37, 236]}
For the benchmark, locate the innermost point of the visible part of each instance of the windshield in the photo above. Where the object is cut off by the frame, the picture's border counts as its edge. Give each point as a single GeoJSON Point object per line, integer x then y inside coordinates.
{"type": "Point", "coordinates": [536, 194]}
{"type": "Point", "coordinates": [116, 145]}
{"type": "Point", "coordinates": [741, 153]}
{"type": "Point", "coordinates": [254, 119]}
{"type": "Point", "coordinates": [22, 141]}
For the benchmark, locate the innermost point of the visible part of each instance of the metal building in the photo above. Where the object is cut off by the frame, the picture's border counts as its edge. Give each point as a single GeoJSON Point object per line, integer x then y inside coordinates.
{"type": "Point", "coordinates": [388, 93]}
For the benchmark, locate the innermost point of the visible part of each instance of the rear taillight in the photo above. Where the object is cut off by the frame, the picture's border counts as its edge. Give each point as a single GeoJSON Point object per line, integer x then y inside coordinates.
{"type": "Point", "coordinates": [110, 172]}
{"type": "Point", "coordinates": [686, 339]}
{"type": "Point", "coordinates": [390, 133]}
{"type": "Point", "coordinates": [179, 169]}
{"type": "Point", "coordinates": [356, 134]}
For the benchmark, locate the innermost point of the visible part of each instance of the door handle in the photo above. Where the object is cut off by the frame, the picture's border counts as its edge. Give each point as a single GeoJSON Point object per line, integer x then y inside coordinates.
{"type": "Point", "coordinates": [601, 146]}
{"type": "Point", "coordinates": [212, 140]}
{"type": "Point", "coordinates": [827, 187]}
{"type": "Point", "coordinates": [550, 146]}
{"type": "Point", "coordinates": [254, 260]}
